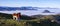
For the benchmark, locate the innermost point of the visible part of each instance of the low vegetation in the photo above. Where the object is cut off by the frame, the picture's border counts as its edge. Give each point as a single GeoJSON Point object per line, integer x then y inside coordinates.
{"type": "Point", "coordinates": [37, 20]}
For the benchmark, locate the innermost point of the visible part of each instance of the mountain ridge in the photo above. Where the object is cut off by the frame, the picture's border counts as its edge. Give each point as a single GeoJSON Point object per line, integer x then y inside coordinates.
{"type": "Point", "coordinates": [22, 8]}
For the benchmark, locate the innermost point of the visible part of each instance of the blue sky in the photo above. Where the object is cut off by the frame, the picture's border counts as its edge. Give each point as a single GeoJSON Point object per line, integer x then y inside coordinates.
{"type": "Point", "coordinates": [34, 3]}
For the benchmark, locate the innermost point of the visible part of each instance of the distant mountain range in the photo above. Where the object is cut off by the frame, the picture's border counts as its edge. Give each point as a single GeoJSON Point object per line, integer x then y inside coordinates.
{"type": "Point", "coordinates": [22, 8]}
{"type": "Point", "coordinates": [16, 8]}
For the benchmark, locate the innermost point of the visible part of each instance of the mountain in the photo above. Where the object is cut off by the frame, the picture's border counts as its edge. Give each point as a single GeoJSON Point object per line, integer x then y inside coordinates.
{"type": "Point", "coordinates": [16, 8]}
{"type": "Point", "coordinates": [46, 11]}
{"type": "Point", "coordinates": [22, 8]}
{"type": "Point", "coordinates": [30, 10]}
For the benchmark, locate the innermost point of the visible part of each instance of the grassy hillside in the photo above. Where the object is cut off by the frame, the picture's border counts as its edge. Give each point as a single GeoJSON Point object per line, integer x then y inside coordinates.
{"type": "Point", "coordinates": [5, 16]}
{"type": "Point", "coordinates": [10, 22]}
{"type": "Point", "coordinates": [35, 20]}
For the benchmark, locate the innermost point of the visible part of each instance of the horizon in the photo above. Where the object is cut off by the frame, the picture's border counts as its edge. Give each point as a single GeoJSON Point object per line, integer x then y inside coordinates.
{"type": "Point", "coordinates": [33, 6]}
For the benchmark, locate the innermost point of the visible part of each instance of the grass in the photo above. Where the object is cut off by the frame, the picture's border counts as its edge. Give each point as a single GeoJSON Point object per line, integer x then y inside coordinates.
{"type": "Point", "coordinates": [34, 22]}
{"type": "Point", "coordinates": [11, 22]}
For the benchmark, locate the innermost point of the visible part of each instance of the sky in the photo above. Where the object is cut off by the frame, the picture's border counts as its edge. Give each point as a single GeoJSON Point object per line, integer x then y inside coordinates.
{"type": "Point", "coordinates": [33, 3]}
